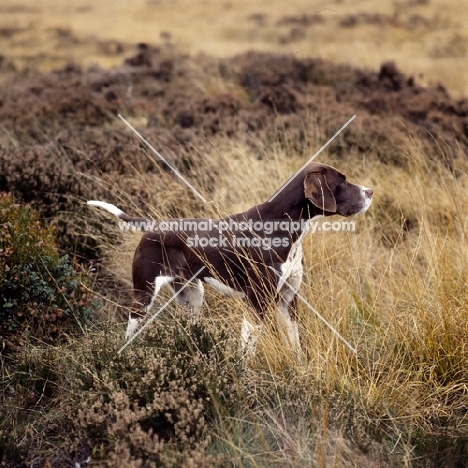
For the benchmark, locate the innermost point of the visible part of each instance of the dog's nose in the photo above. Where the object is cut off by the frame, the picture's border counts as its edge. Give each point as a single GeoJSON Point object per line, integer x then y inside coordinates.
{"type": "Point", "coordinates": [368, 192]}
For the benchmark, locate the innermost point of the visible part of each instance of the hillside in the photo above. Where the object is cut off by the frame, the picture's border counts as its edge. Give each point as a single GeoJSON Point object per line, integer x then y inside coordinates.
{"type": "Point", "coordinates": [237, 123]}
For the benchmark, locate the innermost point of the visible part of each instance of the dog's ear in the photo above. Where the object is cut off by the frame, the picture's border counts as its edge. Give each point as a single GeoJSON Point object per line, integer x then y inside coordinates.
{"type": "Point", "coordinates": [318, 192]}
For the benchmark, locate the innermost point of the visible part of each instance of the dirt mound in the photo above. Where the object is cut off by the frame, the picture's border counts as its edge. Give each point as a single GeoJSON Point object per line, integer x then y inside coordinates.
{"type": "Point", "coordinates": [65, 122]}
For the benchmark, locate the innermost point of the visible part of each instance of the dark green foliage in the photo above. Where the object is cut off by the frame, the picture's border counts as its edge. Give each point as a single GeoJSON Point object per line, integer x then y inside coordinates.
{"type": "Point", "coordinates": [39, 290]}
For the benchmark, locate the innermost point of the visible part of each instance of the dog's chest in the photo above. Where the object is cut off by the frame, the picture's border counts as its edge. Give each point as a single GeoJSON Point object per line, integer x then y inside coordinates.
{"type": "Point", "coordinates": [292, 269]}
{"type": "Point", "coordinates": [294, 260]}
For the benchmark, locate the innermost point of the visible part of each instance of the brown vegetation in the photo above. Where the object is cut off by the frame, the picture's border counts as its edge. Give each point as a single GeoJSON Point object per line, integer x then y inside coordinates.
{"type": "Point", "coordinates": [68, 146]}
{"type": "Point", "coordinates": [237, 127]}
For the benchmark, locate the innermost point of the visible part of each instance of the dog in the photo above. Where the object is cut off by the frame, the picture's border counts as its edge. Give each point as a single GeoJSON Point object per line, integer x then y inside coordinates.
{"type": "Point", "coordinates": [255, 255]}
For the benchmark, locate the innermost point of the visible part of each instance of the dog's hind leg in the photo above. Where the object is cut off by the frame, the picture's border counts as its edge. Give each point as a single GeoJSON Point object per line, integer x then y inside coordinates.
{"type": "Point", "coordinates": [251, 323]}
{"type": "Point", "coordinates": [144, 301]}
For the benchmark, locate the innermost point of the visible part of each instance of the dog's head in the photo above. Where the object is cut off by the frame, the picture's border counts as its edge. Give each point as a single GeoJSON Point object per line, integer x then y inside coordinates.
{"type": "Point", "coordinates": [328, 190]}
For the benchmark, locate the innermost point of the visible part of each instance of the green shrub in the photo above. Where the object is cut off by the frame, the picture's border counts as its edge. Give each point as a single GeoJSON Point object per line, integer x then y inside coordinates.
{"type": "Point", "coordinates": [40, 293]}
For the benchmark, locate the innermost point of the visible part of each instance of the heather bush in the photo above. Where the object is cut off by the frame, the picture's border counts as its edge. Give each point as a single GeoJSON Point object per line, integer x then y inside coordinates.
{"type": "Point", "coordinates": [40, 293]}
{"type": "Point", "coordinates": [150, 406]}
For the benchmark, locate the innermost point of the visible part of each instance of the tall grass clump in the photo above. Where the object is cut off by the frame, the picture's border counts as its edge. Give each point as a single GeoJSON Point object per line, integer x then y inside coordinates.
{"type": "Point", "coordinates": [396, 289]}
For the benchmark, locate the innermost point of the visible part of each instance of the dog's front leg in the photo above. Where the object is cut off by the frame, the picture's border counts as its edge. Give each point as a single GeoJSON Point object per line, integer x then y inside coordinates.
{"type": "Point", "coordinates": [191, 298]}
{"type": "Point", "coordinates": [249, 336]}
{"type": "Point", "coordinates": [288, 327]}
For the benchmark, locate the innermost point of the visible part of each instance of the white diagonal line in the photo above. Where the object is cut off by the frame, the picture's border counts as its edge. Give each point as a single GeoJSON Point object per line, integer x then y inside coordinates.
{"type": "Point", "coordinates": [160, 310]}
{"type": "Point", "coordinates": [312, 158]}
{"type": "Point", "coordinates": [318, 315]}
{"type": "Point", "coordinates": [176, 172]}
{"type": "Point", "coordinates": [352, 348]}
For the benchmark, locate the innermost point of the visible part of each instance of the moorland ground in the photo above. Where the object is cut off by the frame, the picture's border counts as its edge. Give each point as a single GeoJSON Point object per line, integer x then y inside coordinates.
{"type": "Point", "coordinates": [237, 123]}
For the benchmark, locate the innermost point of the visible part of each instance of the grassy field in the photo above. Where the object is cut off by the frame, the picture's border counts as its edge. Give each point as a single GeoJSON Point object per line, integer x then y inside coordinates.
{"type": "Point", "coordinates": [237, 127]}
{"type": "Point", "coordinates": [427, 38]}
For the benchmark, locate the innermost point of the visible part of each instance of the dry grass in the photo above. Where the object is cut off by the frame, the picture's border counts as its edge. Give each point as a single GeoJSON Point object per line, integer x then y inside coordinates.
{"type": "Point", "coordinates": [395, 289]}
{"type": "Point", "coordinates": [426, 38]}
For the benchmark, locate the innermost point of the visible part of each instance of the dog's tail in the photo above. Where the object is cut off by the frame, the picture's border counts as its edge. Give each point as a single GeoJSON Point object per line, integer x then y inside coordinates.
{"type": "Point", "coordinates": [119, 213]}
